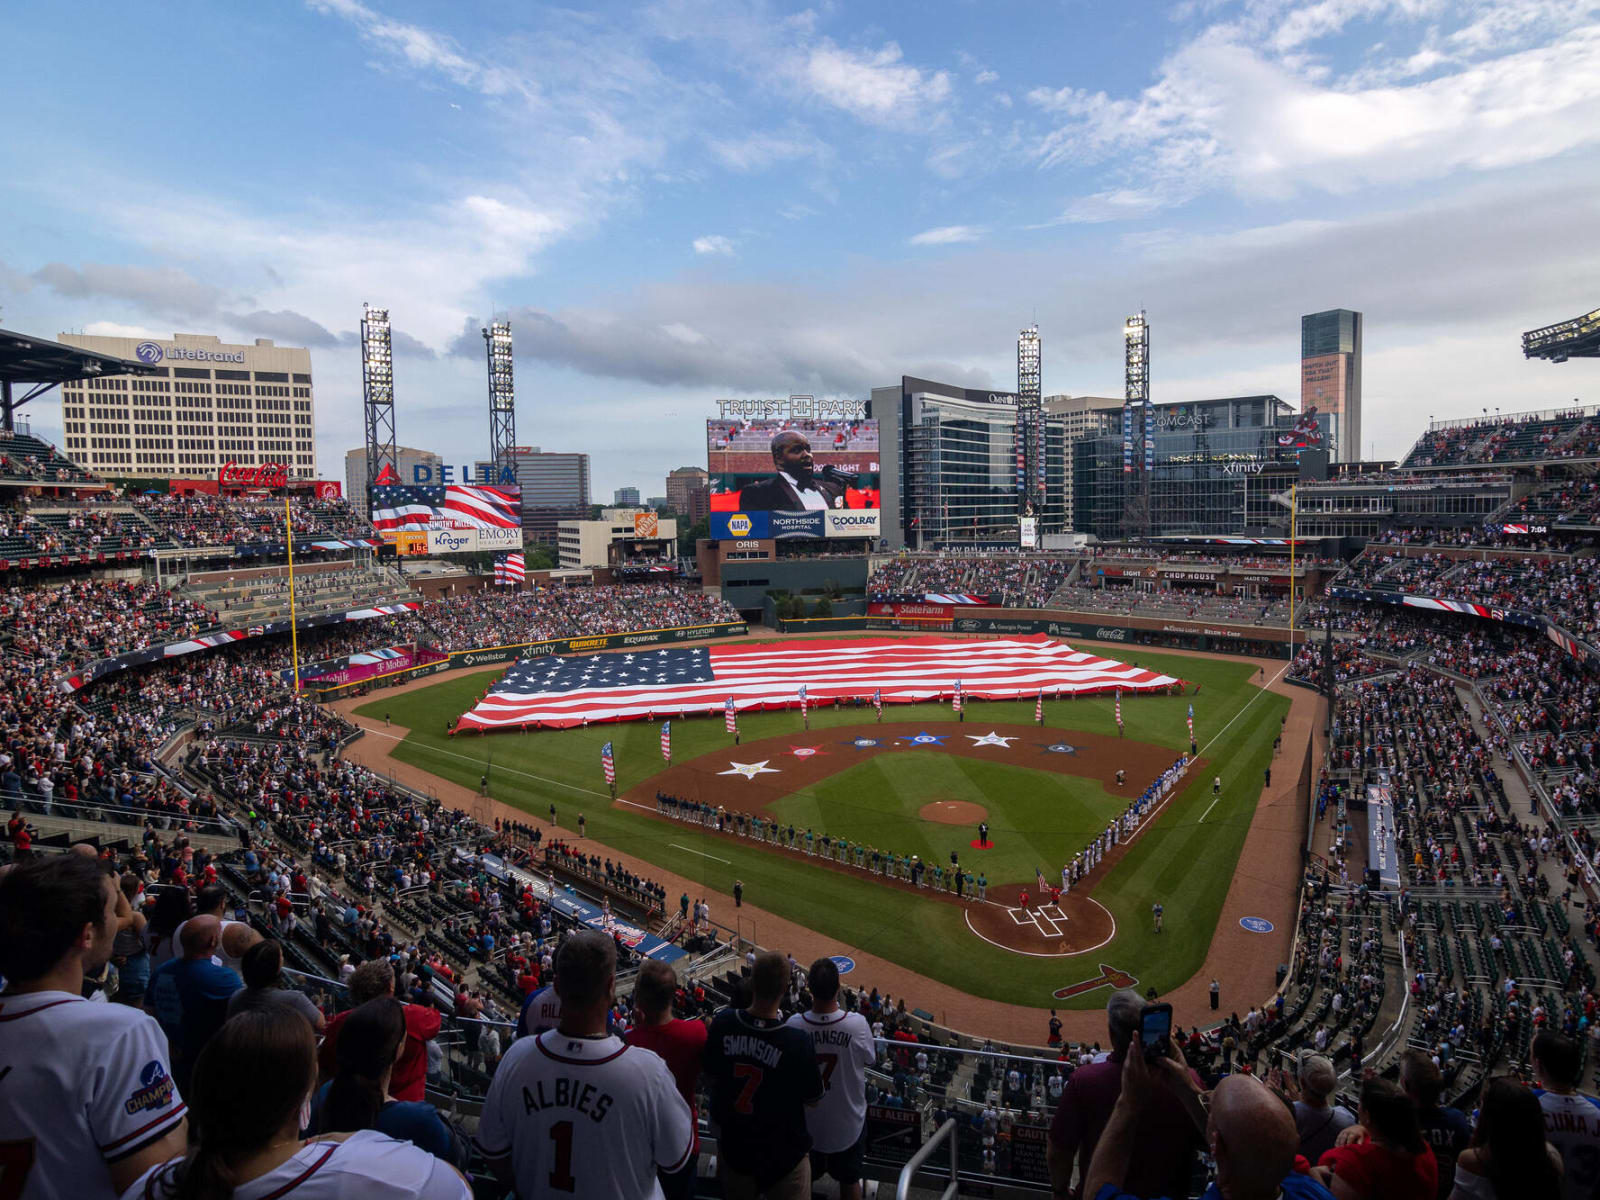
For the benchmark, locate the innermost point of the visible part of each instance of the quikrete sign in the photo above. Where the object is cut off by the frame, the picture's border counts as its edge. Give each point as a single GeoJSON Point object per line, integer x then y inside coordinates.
{"type": "Point", "coordinates": [267, 475]}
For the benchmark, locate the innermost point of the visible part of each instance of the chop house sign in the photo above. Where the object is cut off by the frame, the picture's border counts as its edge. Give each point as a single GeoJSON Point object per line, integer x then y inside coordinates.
{"type": "Point", "coordinates": [267, 475]}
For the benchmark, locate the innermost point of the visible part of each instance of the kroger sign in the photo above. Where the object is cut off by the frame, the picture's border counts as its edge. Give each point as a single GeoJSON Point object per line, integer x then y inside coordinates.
{"type": "Point", "coordinates": [153, 352]}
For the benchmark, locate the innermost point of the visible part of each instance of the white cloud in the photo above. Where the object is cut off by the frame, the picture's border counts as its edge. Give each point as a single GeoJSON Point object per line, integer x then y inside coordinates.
{"type": "Point", "coordinates": [421, 48]}
{"type": "Point", "coordinates": [946, 235]}
{"type": "Point", "coordinates": [714, 243]}
{"type": "Point", "coordinates": [983, 77]}
{"type": "Point", "coordinates": [758, 151]}
{"type": "Point", "coordinates": [117, 329]}
{"type": "Point", "coordinates": [875, 85]}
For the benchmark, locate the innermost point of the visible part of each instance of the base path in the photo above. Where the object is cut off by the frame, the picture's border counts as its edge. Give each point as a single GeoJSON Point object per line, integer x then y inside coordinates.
{"type": "Point", "coordinates": [1266, 884]}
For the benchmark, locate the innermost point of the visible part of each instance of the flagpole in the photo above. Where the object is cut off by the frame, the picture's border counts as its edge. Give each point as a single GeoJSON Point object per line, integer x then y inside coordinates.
{"type": "Point", "coordinates": [294, 630]}
{"type": "Point", "coordinates": [1291, 570]}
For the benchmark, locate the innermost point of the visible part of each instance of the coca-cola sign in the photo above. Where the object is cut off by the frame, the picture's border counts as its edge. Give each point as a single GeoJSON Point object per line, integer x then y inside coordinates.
{"type": "Point", "coordinates": [267, 475]}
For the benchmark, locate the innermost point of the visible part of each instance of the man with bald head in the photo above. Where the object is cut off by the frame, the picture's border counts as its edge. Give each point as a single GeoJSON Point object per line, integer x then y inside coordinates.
{"type": "Point", "coordinates": [1250, 1132]}
{"type": "Point", "coordinates": [189, 995]}
{"type": "Point", "coordinates": [795, 487]}
{"type": "Point", "coordinates": [236, 936]}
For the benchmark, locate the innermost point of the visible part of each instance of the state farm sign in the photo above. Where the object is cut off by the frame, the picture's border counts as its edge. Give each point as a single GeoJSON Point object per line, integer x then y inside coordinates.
{"type": "Point", "coordinates": [267, 475]}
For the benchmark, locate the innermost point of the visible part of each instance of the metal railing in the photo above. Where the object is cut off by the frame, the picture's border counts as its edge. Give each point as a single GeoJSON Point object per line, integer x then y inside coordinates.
{"type": "Point", "coordinates": [946, 1133]}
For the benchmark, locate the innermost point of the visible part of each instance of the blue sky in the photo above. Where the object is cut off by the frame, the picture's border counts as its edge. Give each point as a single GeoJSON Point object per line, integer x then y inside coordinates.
{"type": "Point", "coordinates": [678, 201]}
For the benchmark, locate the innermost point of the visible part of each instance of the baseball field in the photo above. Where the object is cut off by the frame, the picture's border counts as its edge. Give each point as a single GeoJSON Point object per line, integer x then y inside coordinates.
{"type": "Point", "coordinates": [915, 785]}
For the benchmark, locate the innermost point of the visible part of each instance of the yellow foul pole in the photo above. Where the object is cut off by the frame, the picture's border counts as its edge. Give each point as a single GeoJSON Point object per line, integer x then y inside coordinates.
{"type": "Point", "coordinates": [294, 632]}
{"type": "Point", "coordinates": [1292, 573]}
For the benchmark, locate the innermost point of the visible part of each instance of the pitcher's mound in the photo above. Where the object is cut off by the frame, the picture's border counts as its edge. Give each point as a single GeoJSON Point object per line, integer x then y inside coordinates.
{"type": "Point", "coordinates": [953, 812]}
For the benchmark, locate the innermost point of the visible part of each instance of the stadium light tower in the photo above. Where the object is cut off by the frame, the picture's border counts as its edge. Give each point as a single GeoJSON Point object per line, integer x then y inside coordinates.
{"type": "Point", "coordinates": [502, 396]}
{"type": "Point", "coordinates": [1138, 427]}
{"type": "Point", "coordinates": [377, 394]}
{"type": "Point", "coordinates": [1030, 425]}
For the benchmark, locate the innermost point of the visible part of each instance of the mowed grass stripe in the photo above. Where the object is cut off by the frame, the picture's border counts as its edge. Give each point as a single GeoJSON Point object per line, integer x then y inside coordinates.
{"type": "Point", "coordinates": [1188, 868]}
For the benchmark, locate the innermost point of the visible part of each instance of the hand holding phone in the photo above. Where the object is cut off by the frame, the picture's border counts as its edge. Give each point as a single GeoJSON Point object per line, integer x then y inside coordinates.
{"type": "Point", "coordinates": [1155, 1030]}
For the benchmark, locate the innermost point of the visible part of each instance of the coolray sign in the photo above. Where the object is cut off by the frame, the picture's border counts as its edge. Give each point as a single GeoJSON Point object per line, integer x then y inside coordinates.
{"type": "Point", "coordinates": [850, 523]}
{"type": "Point", "coordinates": [154, 352]}
{"type": "Point", "coordinates": [267, 475]}
{"type": "Point", "coordinates": [802, 408]}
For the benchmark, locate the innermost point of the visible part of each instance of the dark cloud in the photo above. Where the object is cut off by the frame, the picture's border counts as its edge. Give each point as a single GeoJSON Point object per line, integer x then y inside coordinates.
{"type": "Point", "coordinates": [159, 289]}
{"type": "Point", "coordinates": [401, 342]}
{"type": "Point", "coordinates": [286, 326]}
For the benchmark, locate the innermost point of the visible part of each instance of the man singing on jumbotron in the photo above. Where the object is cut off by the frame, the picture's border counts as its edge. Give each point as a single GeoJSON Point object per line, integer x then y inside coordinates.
{"type": "Point", "coordinates": [794, 487]}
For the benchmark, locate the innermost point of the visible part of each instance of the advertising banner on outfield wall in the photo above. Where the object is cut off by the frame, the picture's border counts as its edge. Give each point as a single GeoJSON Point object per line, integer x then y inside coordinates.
{"type": "Point", "coordinates": [471, 541]}
{"type": "Point", "coordinates": [490, 655]}
{"type": "Point", "coordinates": [787, 526]}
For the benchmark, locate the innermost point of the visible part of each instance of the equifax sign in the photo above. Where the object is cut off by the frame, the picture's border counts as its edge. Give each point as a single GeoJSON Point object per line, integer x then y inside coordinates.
{"type": "Point", "coordinates": [267, 475]}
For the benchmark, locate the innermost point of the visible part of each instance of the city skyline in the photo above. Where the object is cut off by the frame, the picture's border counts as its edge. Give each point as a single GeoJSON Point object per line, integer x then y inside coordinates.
{"type": "Point", "coordinates": [673, 203]}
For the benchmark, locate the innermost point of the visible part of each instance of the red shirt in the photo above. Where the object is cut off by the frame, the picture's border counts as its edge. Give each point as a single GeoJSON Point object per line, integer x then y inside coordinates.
{"type": "Point", "coordinates": [1166, 1136]}
{"type": "Point", "coordinates": [682, 1046]}
{"type": "Point", "coordinates": [411, 1071]}
{"type": "Point", "coordinates": [1375, 1170]}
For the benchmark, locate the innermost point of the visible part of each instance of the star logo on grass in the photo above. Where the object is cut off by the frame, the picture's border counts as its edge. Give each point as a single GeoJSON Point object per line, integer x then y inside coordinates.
{"type": "Point", "coordinates": [992, 739]}
{"type": "Point", "coordinates": [865, 743]}
{"type": "Point", "coordinates": [1060, 748]}
{"type": "Point", "coordinates": [750, 770]}
{"type": "Point", "coordinates": [927, 739]}
{"type": "Point", "coordinates": [806, 751]}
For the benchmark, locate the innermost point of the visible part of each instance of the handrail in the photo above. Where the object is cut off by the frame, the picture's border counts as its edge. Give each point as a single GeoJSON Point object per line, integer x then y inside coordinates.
{"type": "Point", "coordinates": [112, 814]}
{"type": "Point", "coordinates": [902, 1188]}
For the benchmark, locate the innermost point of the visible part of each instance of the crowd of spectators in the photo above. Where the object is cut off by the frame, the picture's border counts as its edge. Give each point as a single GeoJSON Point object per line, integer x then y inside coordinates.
{"type": "Point", "coordinates": [206, 520]}
{"type": "Point", "coordinates": [1175, 603]}
{"type": "Point", "coordinates": [86, 619]}
{"type": "Point", "coordinates": [1516, 437]}
{"type": "Point", "coordinates": [505, 618]}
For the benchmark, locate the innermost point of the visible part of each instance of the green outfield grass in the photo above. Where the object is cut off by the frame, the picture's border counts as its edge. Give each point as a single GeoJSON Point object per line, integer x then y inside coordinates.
{"type": "Point", "coordinates": [1036, 818]}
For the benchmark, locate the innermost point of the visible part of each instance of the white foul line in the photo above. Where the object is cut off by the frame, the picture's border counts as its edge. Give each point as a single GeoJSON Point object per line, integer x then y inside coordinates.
{"type": "Point", "coordinates": [1209, 807]}
{"type": "Point", "coordinates": [701, 853]}
{"type": "Point", "coordinates": [488, 766]}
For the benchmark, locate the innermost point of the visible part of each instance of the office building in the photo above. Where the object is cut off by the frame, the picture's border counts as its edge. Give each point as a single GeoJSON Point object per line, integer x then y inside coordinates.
{"type": "Point", "coordinates": [209, 404]}
{"type": "Point", "coordinates": [621, 537]}
{"type": "Point", "coordinates": [1222, 468]}
{"type": "Point", "coordinates": [948, 472]}
{"type": "Point", "coordinates": [1080, 416]}
{"type": "Point", "coordinates": [407, 460]}
{"type": "Point", "coordinates": [625, 497]}
{"type": "Point", "coordinates": [689, 493]}
{"type": "Point", "coordinates": [555, 488]}
{"type": "Point", "coordinates": [1330, 378]}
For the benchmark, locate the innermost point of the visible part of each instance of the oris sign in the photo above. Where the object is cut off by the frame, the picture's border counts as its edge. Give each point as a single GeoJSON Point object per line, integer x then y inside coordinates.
{"type": "Point", "coordinates": [268, 475]}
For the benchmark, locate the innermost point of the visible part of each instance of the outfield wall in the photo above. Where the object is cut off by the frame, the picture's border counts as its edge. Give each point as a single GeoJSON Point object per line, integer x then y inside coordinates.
{"type": "Point", "coordinates": [1258, 642]}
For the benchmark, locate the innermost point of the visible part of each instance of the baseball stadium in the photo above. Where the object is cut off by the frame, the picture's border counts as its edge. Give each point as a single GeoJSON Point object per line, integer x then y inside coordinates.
{"type": "Point", "coordinates": [1316, 791]}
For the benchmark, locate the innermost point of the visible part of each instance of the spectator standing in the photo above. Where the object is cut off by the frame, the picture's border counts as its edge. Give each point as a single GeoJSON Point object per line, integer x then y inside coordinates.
{"type": "Point", "coordinates": [236, 936]}
{"type": "Point", "coordinates": [371, 980]}
{"type": "Point", "coordinates": [1318, 1121]}
{"type": "Point", "coordinates": [1385, 1157]}
{"type": "Point", "coordinates": [359, 1095]}
{"type": "Point", "coordinates": [844, 1048]}
{"type": "Point", "coordinates": [1572, 1121]}
{"type": "Point", "coordinates": [190, 995]}
{"type": "Point", "coordinates": [1251, 1135]}
{"type": "Point", "coordinates": [1447, 1130]}
{"type": "Point", "coordinates": [263, 986]}
{"type": "Point", "coordinates": [87, 1085]}
{"type": "Point", "coordinates": [763, 1075]}
{"type": "Point", "coordinates": [577, 1111]}
{"type": "Point", "coordinates": [1509, 1156]}
{"type": "Point", "coordinates": [248, 1138]}
{"type": "Point", "coordinates": [681, 1044]}
{"type": "Point", "coordinates": [1168, 1140]}
{"type": "Point", "coordinates": [128, 953]}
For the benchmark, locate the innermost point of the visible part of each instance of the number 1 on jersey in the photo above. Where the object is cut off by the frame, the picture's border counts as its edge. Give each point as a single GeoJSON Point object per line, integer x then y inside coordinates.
{"type": "Point", "coordinates": [561, 1172]}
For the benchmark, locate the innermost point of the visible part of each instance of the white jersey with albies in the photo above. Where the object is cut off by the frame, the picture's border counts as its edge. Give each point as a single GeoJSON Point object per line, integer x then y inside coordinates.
{"type": "Point", "coordinates": [81, 1085]}
{"type": "Point", "coordinates": [843, 1042]}
{"type": "Point", "coordinates": [367, 1164]}
{"type": "Point", "coordinates": [586, 1116]}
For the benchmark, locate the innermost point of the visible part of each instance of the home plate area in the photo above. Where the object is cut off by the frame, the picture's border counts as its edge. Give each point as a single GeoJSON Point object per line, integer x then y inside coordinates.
{"type": "Point", "coordinates": [1049, 930]}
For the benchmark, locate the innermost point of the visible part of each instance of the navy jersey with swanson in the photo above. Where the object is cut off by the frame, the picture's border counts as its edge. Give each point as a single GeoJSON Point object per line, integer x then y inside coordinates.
{"type": "Point", "coordinates": [762, 1075]}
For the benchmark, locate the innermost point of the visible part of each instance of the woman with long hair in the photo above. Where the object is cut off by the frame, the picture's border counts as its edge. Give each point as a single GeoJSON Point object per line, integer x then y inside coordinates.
{"type": "Point", "coordinates": [1509, 1156]}
{"type": "Point", "coordinates": [172, 908]}
{"type": "Point", "coordinates": [357, 1097]}
{"type": "Point", "coordinates": [1388, 1158]}
{"type": "Point", "coordinates": [262, 968]}
{"type": "Point", "coordinates": [248, 1099]}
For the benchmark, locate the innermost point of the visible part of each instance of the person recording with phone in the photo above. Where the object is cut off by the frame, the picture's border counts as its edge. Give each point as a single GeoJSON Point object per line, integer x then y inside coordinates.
{"type": "Point", "coordinates": [1168, 1139]}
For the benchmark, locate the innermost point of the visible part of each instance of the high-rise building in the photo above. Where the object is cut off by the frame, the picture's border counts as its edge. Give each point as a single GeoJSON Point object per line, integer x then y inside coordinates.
{"type": "Point", "coordinates": [555, 488]}
{"type": "Point", "coordinates": [1081, 416]}
{"type": "Point", "coordinates": [625, 497]}
{"type": "Point", "coordinates": [689, 493]}
{"type": "Point", "coordinates": [1330, 379]}
{"type": "Point", "coordinates": [210, 403]}
{"type": "Point", "coordinates": [407, 459]}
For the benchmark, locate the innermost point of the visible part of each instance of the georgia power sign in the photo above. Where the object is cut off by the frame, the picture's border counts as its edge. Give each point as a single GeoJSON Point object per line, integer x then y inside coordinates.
{"type": "Point", "coordinates": [151, 353]}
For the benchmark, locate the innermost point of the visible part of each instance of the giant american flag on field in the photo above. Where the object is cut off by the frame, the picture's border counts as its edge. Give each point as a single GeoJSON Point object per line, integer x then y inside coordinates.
{"type": "Point", "coordinates": [556, 691]}
{"type": "Point", "coordinates": [453, 506]}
